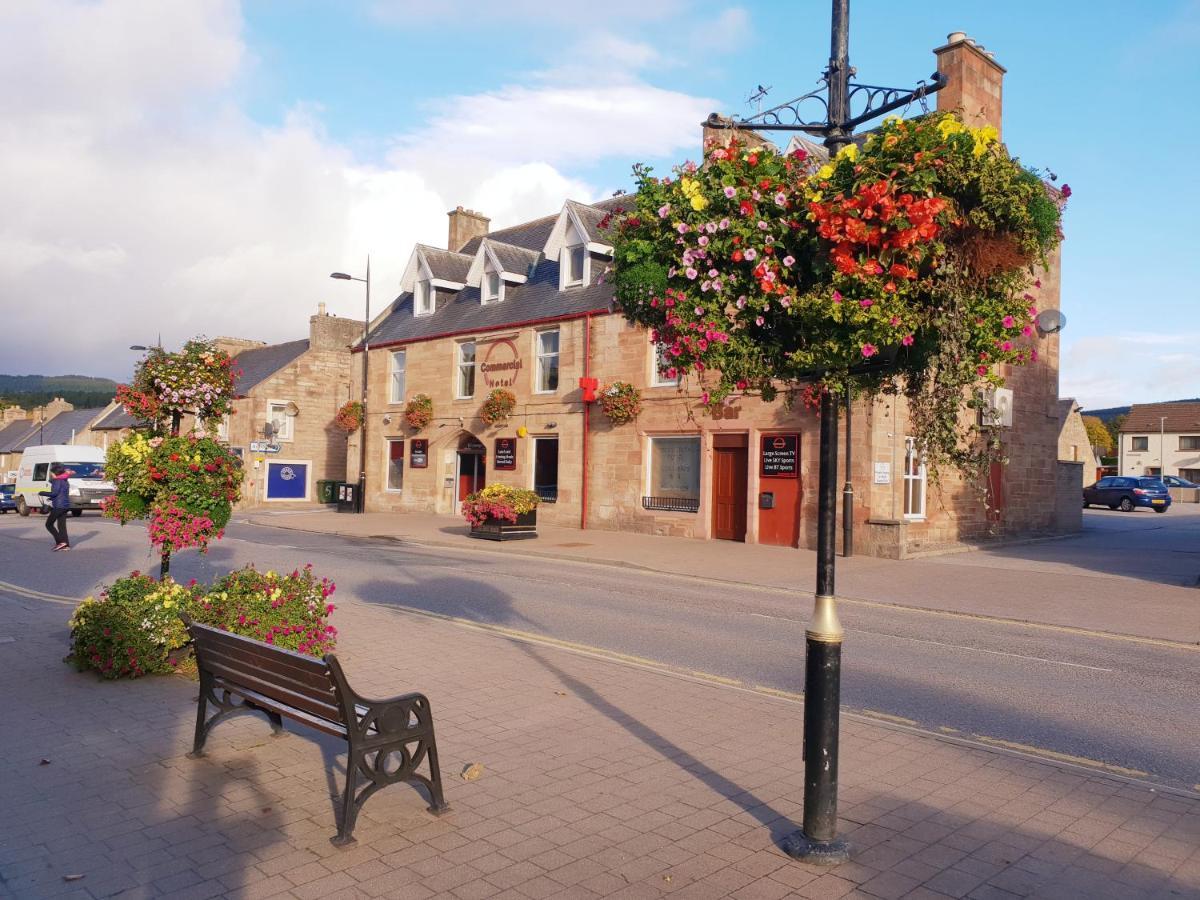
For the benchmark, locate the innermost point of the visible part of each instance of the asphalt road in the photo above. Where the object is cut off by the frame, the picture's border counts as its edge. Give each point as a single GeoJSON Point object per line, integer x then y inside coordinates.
{"type": "Point", "coordinates": [1122, 703]}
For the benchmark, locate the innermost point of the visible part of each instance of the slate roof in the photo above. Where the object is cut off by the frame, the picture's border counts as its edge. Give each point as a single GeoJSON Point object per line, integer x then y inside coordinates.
{"type": "Point", "coordinates": [59, 430]}
{"type": "Point", "coordinates": [116, 419]}
{"type": "Point", "coordinates": [12, 433]}
{"type": "Point", "coordinates": [261, 363]}
{"type": "Point", "coordinates": [538, 298]}
{"type": "Point", "coordinates": [591, 217]}
{"type": "Point", "coordinates": [1182, 417]}
{"type": "Point", "coordinates": [447, 265]}
{"type": "Point", "coordinates": [1064, 408]}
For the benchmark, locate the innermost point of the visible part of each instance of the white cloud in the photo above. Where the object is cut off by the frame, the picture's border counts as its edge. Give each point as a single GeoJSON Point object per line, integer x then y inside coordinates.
{"type": "Point", "coordinates": [479, 13]}
{"type": "Point", "coordinates": [1135, 368]}
{"type": "Point", "coordinates": [139, 198]}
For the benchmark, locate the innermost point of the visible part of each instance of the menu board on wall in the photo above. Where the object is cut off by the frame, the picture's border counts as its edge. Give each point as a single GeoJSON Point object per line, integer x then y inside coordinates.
{"type": "Point", "coordinates": [419, 454]}
{"type": "Point", "coordinates": [506, 454]}
{"type": "Point", "coordinates": [779, 456]}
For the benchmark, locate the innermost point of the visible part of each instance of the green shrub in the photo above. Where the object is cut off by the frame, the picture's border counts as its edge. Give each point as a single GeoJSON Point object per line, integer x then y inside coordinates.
{"type": "Point", "coordinates": [289, 611]}
{"type": "Point", "coordinates": [133, 628]}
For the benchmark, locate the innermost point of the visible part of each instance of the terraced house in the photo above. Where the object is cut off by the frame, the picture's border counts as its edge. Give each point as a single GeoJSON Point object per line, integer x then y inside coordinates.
{"type": "Point", "coordinates": [527, 309]}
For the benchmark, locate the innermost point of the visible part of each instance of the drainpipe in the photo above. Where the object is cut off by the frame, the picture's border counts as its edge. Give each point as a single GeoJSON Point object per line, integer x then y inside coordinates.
{"type": "Point", "coordinates": [587, 420]}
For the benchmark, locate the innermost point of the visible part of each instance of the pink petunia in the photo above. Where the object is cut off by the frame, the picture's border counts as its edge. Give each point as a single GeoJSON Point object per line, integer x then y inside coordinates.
{"type": "Point", "coordinates": [664, 210]}
{"type": "Point", "coordinates": [1009, 322]}
{"type": "Point", "coordinates": [691, 273]}
{"type": "Point", "coordinates": [869, 350]}
{"type": "Point", "coordinates": [759, 320]}
{"type": "Point", "coordinates": [703, 241]}
{"type": "Point", "coordinates": [751, 254]}
{"type": "Point", "coordinates": [789, 261]}
{"type": "Point", "coordinates": [866, 304]}
{"type": "Point", "coordinates": [730, 192]}
{"type": "Point", "coordinates": [907, 340]}
{"type": "Point", "coordinates": [837, 296]}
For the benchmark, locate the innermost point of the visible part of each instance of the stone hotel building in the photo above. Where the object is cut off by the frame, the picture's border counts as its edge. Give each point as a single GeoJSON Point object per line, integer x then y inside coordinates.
{"type": "Point", "coordinates": [527, 308]}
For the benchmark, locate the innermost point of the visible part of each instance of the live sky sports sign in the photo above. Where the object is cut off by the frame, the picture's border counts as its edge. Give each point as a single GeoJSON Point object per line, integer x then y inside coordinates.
{"type": "Point", "coordinates": [501, 364]}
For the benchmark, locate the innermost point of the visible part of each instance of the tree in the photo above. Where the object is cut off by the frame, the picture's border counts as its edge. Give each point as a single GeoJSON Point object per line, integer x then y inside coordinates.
{"type": "Point", "coordinates": [1115, 424]}
{"type": "Point", "coordinates": [903, 266]}
{"type": "Point", "coordinates": [1098, 435]}
{"type": "Point", "coordinates": [184, 484]}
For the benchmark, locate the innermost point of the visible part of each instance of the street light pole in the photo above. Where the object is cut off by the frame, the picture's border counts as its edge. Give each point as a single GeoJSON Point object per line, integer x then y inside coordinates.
{"type": "Point", "coordinates": [361, 505]}
{"type": "Point", "coordinates": [1162, 424]}
{"type": "Point", "coordinates": [817, 841]}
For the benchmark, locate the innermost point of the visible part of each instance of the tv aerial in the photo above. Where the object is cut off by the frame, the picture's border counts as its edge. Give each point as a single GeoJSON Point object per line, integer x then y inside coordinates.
{"type": "Point", "coordinates": [757, 96]}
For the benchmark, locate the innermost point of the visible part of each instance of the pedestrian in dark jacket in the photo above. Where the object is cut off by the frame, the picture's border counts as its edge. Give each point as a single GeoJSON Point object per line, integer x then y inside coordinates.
{"type": "Point", "coordinates": [60, 505]}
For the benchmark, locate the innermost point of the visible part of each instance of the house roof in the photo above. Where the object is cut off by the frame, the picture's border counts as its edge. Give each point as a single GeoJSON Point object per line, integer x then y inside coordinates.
{"type": "Point", "coordinates": [12, 433]}
{"type": "Point", "coordinates": [115, 419]}
{"type": "Point", "coordinates": [1180, 417]}
{"type": "Point", "coordinates": [538, 298]}
{"type": "Point", "coordinates": [447, 265]}
{"type": "Point", "coordinates": [1064, 406]}
{"type": "Point", "coordinates": [261, 363]}
{"type": "Point", "coordinates": [59, 430]}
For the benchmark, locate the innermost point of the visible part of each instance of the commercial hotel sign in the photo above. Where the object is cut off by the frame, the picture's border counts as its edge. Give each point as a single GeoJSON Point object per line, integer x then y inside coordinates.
{"type": "Point", "coordinates": [501, 364]}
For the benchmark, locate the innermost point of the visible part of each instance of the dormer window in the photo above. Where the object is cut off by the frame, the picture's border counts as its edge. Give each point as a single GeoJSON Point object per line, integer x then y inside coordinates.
{"type": "Point", "coordinates": [492, 287]}
{"type": "Point", "coordinates": [573, 264]}
{"type": "Point", "coordinates": [423, 298]}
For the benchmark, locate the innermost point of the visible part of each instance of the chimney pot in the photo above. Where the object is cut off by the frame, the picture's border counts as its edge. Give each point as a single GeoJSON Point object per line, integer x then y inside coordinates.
{"type": "Point", "coordinates": [321, 308]}
{"type": "Point", "coordinates": [955, 36]}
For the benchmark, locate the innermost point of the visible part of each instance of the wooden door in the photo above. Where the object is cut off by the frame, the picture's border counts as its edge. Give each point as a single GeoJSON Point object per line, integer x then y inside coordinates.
{"type": "Point", "coordinates": [729, 493]}
{"type": "Point", "coordinates": [470, 474]}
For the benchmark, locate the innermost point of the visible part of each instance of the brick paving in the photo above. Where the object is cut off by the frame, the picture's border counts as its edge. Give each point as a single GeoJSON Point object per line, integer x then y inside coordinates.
{"type": "Point", "coordinates": [601, 779]}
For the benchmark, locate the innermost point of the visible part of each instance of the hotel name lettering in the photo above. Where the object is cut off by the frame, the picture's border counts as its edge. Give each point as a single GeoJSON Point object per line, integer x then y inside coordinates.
{"type": "Point", "coordinates": [501, 364]}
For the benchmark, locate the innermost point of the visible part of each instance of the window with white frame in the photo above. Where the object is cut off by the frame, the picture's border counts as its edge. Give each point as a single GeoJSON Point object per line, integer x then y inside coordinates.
{"type": "Point", "coordinates": [547, 361]}
{"type": "Point", "coordinates": [661, 365]}
{"type": "Point", "coordinates": [395, 464]}
{"type": "Point", "coordinates": [572, 266]}
{"type": "Point", "coordinates": [423, 298]}
{"type": "Point", "coordinates": [397, 377]}
{"type": "Point", "coordinates": [464, 386]}
{"type": "Point", "coordinates": [493, 287]}
{"type": "Point", "coordinates": [674, 474]}
{"type": "Point", "coordinates": [914, 480]}
{"type": "Point", "coordinates": [281, 422]}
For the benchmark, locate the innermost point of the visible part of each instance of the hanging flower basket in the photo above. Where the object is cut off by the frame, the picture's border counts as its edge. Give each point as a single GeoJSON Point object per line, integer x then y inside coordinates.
{"type": "Point", "coordinates": [350, 417]}
{"type": "Point", "coordinates": [498, 406]}
{"type": "Point", "coordinates": [419, 412]}
{"type": "Point", "coordinates": [621, 402]}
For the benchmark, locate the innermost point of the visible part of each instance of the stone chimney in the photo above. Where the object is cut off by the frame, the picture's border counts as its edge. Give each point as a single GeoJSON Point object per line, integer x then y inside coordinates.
{"type": "Point", "coordinates": [326, 332]}
{"type": "Point", "coordinates": [12, 414]}
{"type": "Point", "coordinates": [233, 346]}
{"type": "Point", "coordinates": [52, 409]}
{"type": "Point", "coordinates": [976, 81]}
{"type": "Point", "coordinates": [712, 133]}
{"type": "Point", "coordinates": [465, 225]}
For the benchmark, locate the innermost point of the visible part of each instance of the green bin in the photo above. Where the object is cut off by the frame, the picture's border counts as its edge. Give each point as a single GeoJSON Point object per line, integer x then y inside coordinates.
{"type": "Point", "coordinates": [326, 491]}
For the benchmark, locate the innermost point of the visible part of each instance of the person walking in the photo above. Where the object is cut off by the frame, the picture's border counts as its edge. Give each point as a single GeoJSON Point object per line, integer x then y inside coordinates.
{"type": "Point", "coordinates": [60, 505]}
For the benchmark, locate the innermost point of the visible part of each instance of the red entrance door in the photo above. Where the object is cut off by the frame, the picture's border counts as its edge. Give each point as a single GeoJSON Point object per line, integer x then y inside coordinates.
{"type": "Point", "coordinates": [729, 493]}
{"type": "Point", "coordinates": [470, 474]}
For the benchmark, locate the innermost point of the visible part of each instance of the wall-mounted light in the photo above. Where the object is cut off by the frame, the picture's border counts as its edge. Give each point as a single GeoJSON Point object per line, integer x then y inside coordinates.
{"type": "Point", "coordinates": [387, 420]}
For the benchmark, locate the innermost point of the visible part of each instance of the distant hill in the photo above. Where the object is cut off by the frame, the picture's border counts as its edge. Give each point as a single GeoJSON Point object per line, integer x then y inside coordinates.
{"type": "Point", "coordinates": [82, 391]}
{"type": "Point", "coordinates": [1107, 415]}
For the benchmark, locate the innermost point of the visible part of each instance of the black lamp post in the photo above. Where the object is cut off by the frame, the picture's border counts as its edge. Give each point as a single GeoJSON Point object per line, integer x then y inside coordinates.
{"type": "Point", "coordinates": [361, 505]}
{"type": "Point", "coordinates": [817, 840]}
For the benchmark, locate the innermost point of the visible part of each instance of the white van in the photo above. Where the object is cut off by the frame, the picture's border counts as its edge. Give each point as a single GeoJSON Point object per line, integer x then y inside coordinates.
{"type": "Point", "coordinates": [87, 485]}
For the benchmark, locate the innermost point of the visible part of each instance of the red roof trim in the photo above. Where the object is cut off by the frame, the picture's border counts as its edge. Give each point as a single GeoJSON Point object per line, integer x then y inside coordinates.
{"type": "Point", "coordinates": [508, 325]}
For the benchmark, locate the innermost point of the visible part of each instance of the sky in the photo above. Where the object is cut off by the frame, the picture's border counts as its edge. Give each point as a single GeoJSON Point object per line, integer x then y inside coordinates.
{"type": "Point", "coordinates": [189, 167]}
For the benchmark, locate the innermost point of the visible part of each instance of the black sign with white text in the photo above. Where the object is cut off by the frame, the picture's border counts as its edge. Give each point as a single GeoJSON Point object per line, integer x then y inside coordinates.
{"type": "Point", "coordinates": [779, 456]}
{"type": "Point", "coordinates": [419, 454]}
{"type": "Point", "coordinates": [506, 453]}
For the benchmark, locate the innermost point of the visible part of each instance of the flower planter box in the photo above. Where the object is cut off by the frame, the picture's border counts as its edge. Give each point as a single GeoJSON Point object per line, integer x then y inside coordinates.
{"type": "Point", "coordinates": [503, 530]}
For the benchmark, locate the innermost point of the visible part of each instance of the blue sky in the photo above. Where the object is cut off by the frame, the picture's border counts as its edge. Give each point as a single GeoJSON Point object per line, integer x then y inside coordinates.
{"type": "Point", "coordinates": [201, 166]}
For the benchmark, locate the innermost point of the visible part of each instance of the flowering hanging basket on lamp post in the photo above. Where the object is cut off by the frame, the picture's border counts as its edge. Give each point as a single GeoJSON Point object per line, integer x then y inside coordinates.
{"type": "Point", "coordinates": [498, 406]}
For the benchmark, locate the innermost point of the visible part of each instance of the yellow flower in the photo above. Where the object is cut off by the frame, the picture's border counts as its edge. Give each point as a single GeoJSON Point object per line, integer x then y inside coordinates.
{"type": "Point", "coordinates": [167, 604]}
{"type": "Point", "coordinates": [825, 171]}
{"type": "Point", "coordinates": [983, 138]}
{"type": "Point", "coordinates": [949, 126]}
{"type": "Point", "coordinates": [850, 152]}
{"type": "Point", "coordinates": [699, 202]}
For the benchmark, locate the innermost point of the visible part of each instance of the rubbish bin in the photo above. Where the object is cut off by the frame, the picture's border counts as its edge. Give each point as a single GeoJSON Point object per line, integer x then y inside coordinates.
{"type": "Point", "coordinates": [347, 497]}
{"type": "Point", "coordinates": [327, 491]}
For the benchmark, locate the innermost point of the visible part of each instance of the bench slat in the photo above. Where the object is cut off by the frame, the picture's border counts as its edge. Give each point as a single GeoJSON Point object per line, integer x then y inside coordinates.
{"type": "Point", "coordinates": [324, 725]}
{"type": "Point", "coordinates": [268, 685]}
{"type": "Point", "coordinates": [309, 665]}
{"type": "Point", "coordinates": [316, 684]}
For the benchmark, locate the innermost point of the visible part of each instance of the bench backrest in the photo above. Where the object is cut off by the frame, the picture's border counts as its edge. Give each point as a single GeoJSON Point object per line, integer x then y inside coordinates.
{"type": "Point", "coordinates": [287, 677]}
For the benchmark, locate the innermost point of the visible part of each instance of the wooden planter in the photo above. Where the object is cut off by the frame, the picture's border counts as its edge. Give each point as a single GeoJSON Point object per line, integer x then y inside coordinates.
{"type": "Point", "coordinates": [503, 530]}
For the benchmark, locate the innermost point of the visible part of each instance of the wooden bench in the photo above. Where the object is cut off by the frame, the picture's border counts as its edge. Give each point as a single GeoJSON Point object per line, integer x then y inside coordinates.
{"type": "Point", "coordinates": [389, 739]}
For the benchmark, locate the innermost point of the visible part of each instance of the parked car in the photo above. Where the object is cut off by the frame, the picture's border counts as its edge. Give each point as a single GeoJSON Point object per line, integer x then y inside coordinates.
{"type": "Point", "coordinates": [1175, 481]}
{"type": "Point", "coordinates": [1127, 493]}
{"type": "Point", "coordinates": [6, 498]}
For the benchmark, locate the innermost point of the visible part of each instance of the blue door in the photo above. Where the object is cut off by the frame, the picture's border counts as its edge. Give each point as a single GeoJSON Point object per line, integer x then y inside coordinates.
{"type": "Point", "coordinates": [287, 481]}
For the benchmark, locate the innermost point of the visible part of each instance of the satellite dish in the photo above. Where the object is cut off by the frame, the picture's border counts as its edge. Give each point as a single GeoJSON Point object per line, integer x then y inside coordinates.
{"type": "Point", "coordinates": [1050, 321]}
{"type": "Point", "coordinates": [291, 409]}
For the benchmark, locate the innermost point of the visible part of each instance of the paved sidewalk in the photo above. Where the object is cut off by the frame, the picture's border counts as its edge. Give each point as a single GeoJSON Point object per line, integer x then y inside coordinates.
{"type": "Point", "coordinates": [601, 779]}
{"type": "Point", "coordinates": [1055, 582]}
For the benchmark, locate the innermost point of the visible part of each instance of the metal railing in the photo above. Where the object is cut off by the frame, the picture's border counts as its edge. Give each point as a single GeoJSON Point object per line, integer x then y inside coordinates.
{"type": "Point", "coordinates": [672, 504]}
